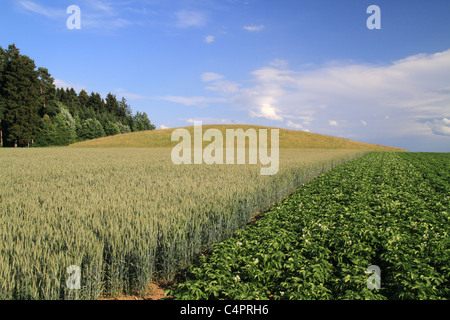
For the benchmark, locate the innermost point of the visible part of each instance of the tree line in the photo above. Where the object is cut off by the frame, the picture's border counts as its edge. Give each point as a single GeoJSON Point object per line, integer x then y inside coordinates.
{"type": "Point", "coordinates": [34, 113]}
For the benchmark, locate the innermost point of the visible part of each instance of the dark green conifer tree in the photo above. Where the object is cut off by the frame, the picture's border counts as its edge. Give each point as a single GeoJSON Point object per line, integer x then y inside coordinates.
{"type": "Point", "coordinates": [20, 93]}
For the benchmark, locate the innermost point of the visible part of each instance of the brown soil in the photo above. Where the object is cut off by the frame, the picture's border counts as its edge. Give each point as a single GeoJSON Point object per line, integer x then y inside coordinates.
{"type": "Point", "coordinates": [155, 291]}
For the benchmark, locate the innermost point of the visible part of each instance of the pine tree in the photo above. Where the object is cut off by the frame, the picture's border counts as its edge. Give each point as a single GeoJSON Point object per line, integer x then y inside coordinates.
{"type": "Point", "coordinates": [2, 104]}
{"type": "Point", "coordinates": [60, 95]}
{"type": "Point", "coordinates": [83, 99]}
{"type": "Point", "coordinates": [96, 102]}
{"type": "Point", "coordinates": [33, 109]}
{"type": "Point", "coordinates": [46, 87]}
{"type": "Point", "coordinates": [124, 110]}
{"type": "Point", "coordinates": [19, 89]}
{"type": "Point", "coordinates": [112, 105]}
{"type": "Point", "coordinates": [72, 101]}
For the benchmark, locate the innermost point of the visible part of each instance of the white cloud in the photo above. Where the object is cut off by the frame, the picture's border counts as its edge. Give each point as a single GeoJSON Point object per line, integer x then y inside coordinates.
{"type": "Point", "coordinates": [405, 98]}
{"type": "Point", "coordinates": [45, 11]}
{"type": "Point", "coordinates": [211, 76]}
{"type": "Point", "coordinates": [186, 19]}
{"type": "Point", "coordinates": [441, 127]}
{"type": "Point", "coordinates": [278, 63]}
{"type": "Point", "coordinates": [262, 100]}
{"type": "Point", "coordinates": [414, 88]}
{"type": "Point", "coordinates": [105, 23]}
{"type": "Point", "coordinates": [254, 28]}
{"type": "Point", "coordinates": [192, 101]}
{"type": "Point", "coordinates": [102, 6]}
{"type": "Point", "coordinates": [210, 39]}
{"type": "Point", "coordinates": [294, 125]}
{"type": "Point", "coordinates": [210, 120]}
{"type": "Point", "coordinates": [306, 120]}
{"type": "Point", "coordinates": [129, 95]}
{"type": "Point", "coordinates": [95, 14]}
{"type": "Point", "coordinates": [163, 127]}
{"type": "Point", "coordinates": [266, 111]}
{"type": "Point", "coordinates": [219, 85]}
{"type": "Point", "coordinates": [225, 87]}
{"type": "Point", "coordinates": [274, 77]}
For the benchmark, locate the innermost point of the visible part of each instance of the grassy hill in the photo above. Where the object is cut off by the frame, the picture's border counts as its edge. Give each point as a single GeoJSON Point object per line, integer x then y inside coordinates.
{"type": "Point", "coordinates": [289, 139]}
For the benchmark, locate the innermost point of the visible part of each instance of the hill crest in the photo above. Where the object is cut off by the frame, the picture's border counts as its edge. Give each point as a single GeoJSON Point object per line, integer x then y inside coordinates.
{"type": "Point", "coordinates": [289, 139]}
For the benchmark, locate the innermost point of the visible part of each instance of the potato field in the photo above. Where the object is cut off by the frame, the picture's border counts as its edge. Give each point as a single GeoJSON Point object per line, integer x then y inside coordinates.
{"type": "Point", "coordinates": [389, 210]}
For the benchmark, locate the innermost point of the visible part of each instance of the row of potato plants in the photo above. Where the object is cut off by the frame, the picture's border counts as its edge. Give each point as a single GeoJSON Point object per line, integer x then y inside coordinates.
{"type": "Point", "coordinates": [434, 166]}
{"type": "Point", "coordinates": [383, 209]}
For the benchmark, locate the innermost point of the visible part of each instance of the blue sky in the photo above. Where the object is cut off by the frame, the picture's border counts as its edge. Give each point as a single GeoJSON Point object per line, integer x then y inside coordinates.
{"type": "Point", "coordinates": [295, 64]}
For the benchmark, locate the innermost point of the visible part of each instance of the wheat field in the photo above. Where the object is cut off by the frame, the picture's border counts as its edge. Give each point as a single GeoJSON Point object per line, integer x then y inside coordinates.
{"type": "Point", "coordinates": [126, 216]}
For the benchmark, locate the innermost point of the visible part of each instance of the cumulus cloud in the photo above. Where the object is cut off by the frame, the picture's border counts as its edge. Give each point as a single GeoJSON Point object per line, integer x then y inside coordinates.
{"type": "Point", "coordinates": [266, 111]}
{"type": "Point", "coordinates": [262, 100]}
{"type": "Point", "coordinates": [399, 97]}
{"type": "Point", "coordinates": [441, 127]}
{"type": "Point", "coordinates": [412, 89]}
